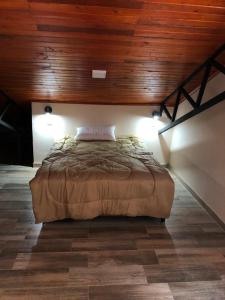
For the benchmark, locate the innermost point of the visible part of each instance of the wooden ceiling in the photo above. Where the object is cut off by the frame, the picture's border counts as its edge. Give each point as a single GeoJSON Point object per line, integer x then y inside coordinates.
{"type": "Point", "coordinates": [48, 48]}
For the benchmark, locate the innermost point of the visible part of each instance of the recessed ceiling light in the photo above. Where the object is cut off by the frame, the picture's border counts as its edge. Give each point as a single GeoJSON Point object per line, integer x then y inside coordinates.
{"type": "Point", "coordinates": [99, 74]}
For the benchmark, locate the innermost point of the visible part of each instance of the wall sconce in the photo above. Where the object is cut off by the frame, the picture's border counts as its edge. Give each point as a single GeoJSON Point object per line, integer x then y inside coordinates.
{"type": "Point", "coordinates": [48, 109]}
{"type": "Point", "coordinates": [156, 115]}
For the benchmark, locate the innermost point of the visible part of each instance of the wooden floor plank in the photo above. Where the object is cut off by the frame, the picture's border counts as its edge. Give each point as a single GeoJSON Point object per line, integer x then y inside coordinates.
{"type": "Point", "coordinates": [57, 293]}
{"type": "Point", "coordinates": [180, 273]}
{"type": "Point", "coordinates": [121, 232]}
{"type": "Point", "coordinates": [49, 260]}
{"type": "Point", "coordinates": [156, 291]}
{"type": "Point", "coordinates": [107, 275]}
{"type": "Point", "coordinates": [201, 290]}
{"type": "Point", "coordinates": [33, 278]}
{"type": "Point", "coordinates": [91, 244]}
{"type": "Point", "coordinates": [122, 258]}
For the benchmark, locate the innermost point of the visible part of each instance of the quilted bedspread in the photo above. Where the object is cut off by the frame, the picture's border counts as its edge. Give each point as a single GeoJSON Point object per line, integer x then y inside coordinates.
{"type": "Point", "coordinates": [86, 179]}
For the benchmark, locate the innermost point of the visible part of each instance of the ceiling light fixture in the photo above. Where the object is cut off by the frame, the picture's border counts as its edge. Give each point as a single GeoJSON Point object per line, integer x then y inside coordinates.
{"type": "Point", "coordinates": [99, 74]}
{"type": "Point", "coordinates": [48, 109]}
{"type": "Point", "coordinates": [156, 115]}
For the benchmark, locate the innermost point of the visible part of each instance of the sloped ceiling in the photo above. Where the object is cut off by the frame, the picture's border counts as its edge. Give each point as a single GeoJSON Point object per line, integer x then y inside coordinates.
{"type": "Point", "coordinates": [48, 48]}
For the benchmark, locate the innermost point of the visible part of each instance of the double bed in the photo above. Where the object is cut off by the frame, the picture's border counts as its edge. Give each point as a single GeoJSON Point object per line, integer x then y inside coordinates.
{"type": "Point", "coordinates": [85, 179]}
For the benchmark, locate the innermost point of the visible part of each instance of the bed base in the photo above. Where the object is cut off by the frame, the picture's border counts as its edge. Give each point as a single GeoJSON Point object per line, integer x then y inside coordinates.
{"type": "Point", "coordinates": [162, 220]}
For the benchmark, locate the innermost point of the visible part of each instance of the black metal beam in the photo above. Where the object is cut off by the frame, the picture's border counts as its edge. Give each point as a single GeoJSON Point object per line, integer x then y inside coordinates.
{"type": "Point", "coordinates": [8, 98]}
{"type": "Point", "coordinates": [195, 111]}
{"type": "Point", "coordinates": [184, 82]}
{"type": "Point", "coordinates": [218, 66]}
{"type": "Point", "coordinates": [9, 102]}
{"type": "Point", "coordinates": [176, 106]}
{"type": "Point", "coordinates": [164, 108]}
{"type": "Point", "coordinates": [203, 84]}
{"type": "Point", "coordinates": [5, 109]}
{"type": "Point", "coordinates": [197, 107]}
{"type": "Point", "coordinates": [6, 125]}
{"type": "Point", "coordinates": [188, 97]}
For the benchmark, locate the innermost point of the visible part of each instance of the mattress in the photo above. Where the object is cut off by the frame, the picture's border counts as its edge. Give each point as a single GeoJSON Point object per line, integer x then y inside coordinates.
{"type": "Point", "coordinates": [86, 179]}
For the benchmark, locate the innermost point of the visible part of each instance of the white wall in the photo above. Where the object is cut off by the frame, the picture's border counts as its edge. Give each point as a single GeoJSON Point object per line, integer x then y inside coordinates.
{"type": "Point", "coordinates": [129, 120]}
{"type": "Point", "coordinates": [198, 150]}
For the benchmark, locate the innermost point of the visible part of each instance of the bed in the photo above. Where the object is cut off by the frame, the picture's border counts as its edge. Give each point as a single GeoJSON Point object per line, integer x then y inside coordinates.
{"type": "Point", "coordinates": [85, 179]}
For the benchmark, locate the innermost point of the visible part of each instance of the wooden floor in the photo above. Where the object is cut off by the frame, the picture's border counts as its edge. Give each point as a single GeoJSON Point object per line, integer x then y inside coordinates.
{"type": "Point", "coordinates": [107, 258]}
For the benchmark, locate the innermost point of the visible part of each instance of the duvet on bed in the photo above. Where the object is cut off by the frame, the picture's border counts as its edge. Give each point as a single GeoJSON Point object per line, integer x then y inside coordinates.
{"type": "Point", "coordinates": [83, 180]}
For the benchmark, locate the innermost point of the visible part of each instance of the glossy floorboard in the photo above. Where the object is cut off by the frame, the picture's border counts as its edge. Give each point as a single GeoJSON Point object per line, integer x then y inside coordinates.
{"type": "Point", "coordinates": [107, 258]}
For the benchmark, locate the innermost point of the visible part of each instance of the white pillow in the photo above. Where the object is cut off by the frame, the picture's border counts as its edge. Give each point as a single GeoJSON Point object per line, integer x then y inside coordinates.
{"type": "Point", "coordinates": [96, 133]}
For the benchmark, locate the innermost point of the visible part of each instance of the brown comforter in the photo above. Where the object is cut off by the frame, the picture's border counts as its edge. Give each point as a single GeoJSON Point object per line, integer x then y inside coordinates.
{"type": "Point", "coordinates": [83, 180]}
